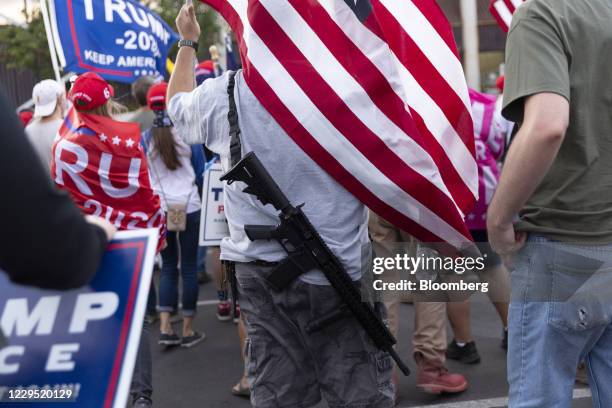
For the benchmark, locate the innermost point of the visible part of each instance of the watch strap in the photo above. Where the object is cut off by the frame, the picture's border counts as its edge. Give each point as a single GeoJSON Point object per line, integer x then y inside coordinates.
{"type": "Point", "coordinates": [188, 43]}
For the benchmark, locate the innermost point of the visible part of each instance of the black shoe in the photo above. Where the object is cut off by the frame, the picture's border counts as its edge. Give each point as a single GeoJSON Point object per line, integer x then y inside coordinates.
{"type": "Point", "coordinates": [504, 342]}
{"type": "Point", "coordinates": [466, 354]}
{"type": "Point", "coordinates": [195, 338]}
{"type": "Point", "coordinates": [169, 339]}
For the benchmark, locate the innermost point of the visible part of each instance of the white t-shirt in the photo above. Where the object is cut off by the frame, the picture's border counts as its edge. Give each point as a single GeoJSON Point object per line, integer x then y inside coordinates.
{"type": "Point", "coordinates": [504, 124]}
{"type": "Point", "coordinates": [338, 216]}
{"type": "Point", "coordinates": [174, 187]}
{"type": "Point", "coordinates": [42, 135]}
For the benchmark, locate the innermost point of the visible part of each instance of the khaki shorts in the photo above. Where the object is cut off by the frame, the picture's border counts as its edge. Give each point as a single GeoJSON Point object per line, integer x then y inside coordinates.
{"type": "Point", "coordinates": [287, 367]}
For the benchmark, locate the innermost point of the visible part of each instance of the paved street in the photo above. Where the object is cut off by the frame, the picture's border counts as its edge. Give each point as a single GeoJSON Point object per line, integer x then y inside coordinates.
{"type": "Point", "coordinates": [202, 377]}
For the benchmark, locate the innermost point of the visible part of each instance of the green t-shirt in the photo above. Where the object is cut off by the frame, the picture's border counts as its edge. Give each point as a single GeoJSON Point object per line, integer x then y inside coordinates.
{"type": "Point", "coordinates": [565, 47]}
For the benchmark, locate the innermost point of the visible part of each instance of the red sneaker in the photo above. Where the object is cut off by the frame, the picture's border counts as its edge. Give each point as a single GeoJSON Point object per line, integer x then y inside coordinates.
{"type": "Point", "coordinates": [224, 311]}
{"type": "Point", "coordinates": [436, 380]}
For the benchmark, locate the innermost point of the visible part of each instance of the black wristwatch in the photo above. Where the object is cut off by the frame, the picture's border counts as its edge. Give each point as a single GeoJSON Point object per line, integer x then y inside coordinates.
{"type": "Point", "coordinates": [188, 43]}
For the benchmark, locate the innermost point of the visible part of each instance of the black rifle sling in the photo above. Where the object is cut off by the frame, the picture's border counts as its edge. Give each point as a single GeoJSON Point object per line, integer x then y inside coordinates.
{"type": "Point", "coordinates": [235, 156]}
{"type": "Point", "coordinates": [232, 117]}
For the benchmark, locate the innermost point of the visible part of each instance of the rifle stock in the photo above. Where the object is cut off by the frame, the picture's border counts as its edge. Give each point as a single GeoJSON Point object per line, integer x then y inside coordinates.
{"type": "Point", "coordinates": [259, 183]}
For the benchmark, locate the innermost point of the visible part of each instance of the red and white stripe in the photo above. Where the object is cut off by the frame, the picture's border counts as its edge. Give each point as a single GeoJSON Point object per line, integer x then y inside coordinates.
{"type": "Point", "coordinates": [503, 10]}
{"type": "Point", "coordinates": [381, 105]}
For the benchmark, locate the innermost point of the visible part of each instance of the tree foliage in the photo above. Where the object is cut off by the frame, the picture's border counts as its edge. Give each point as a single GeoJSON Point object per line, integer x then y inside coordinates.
{"type": "Point", "coordinates": [26, 47]}
{"type": "Point", "coordinates": [207, 17]}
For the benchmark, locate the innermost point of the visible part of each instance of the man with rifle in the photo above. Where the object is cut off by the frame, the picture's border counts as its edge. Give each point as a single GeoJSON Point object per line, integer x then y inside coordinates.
{"type": "Point", "coordinates": [310, 334]}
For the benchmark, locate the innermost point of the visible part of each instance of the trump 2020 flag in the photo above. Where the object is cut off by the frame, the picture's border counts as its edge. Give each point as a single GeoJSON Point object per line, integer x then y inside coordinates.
{"type": "Point", "coordinates": [100, 162]}
{"type": "Point", "coordinates": [374, 92]}
{"type": "Point", "coordinates": [120, 40]}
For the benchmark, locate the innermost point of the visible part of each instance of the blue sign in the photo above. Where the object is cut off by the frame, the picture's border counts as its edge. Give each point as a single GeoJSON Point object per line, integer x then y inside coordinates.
{"type": "Point", "coordinates": [120, 40]}
{"type": "Point", "coordinates": [77, 346]}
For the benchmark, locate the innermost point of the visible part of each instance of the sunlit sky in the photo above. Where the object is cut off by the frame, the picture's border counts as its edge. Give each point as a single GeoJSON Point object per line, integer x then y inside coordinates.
{"type": "Point", "coordinates": [12, 10]}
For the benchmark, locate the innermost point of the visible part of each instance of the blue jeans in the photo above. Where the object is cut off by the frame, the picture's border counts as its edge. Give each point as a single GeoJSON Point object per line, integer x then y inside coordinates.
{"type": "Point", "coordinates": [560, 314]}
{"type": "Point", "coordinates": [187, 244]}
{"type": "Point", "coordinates": [152, 299]}
{"type": "Point", "coordinates": [202, 259]}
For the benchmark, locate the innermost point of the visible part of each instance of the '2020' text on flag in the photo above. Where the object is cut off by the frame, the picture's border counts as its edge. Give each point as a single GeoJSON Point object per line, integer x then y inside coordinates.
{"type": "Point", "coordinates": [374, 92]}
{"type": "Point", "coordinates": [121, 40]}
{"type": "Point", "coordinates": [503, 10]}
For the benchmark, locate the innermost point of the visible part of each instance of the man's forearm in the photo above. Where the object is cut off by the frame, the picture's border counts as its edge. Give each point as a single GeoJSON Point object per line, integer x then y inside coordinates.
{"type": "Point", "coordinates": [528, 161]}
{"type": "Point", "coordinates": [183, 76]}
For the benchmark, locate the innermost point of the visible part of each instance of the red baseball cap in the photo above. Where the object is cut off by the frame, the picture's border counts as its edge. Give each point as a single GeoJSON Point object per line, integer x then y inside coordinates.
{"type": "Point", "coordinates": [208, 66]}
{"type": "Point", "coordinates": [26, 117]}
{"type": "Point", "coordinates": [500, 83]}
{"type": "Point", "coordinates": [156, 97]}
{"type": "Point", "coordinates": [90, 91]}
{"type": "Point", "coordinates": [204, 70]}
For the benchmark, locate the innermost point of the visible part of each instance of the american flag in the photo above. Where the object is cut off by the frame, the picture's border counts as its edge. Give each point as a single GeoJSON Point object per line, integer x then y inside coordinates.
{"type": "Point", "coordinates": [503, 10]}
{"type": "Point", "coordinates": [374, 92]}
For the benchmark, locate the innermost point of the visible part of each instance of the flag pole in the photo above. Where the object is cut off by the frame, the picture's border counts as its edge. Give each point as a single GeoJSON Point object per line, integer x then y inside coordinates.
{"type": "Point", "coordinates": [45, 14]}
{"type": "Point", "coordinates": [469, 17]}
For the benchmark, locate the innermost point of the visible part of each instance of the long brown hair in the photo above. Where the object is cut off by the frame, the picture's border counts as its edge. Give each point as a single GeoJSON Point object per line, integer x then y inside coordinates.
{"type": "Point", "coordinates": [165, 146]}
{"type": "Point", "coordinates": [109, 109]}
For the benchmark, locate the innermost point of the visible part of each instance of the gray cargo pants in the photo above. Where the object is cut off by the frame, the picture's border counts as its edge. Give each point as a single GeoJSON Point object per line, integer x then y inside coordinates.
{"type": "Point", "coordinates": [290, 368]}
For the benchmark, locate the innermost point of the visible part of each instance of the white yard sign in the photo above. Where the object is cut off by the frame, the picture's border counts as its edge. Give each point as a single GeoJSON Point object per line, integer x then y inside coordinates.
{"type": "Point", "coordinates": [213, 224]}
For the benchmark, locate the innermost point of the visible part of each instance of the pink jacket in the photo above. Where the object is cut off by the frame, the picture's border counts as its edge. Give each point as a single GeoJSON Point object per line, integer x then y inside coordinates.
{"type": "Point", "coordinates": [490, 145]}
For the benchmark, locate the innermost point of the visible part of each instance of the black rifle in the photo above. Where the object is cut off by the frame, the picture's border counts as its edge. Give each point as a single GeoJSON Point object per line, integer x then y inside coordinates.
{"type": "Point", "coordinates": [307, 251]}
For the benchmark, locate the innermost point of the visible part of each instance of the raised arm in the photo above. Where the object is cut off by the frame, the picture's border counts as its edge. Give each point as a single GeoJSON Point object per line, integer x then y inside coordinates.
{"type": "Point", "coordinates": [183, 76]}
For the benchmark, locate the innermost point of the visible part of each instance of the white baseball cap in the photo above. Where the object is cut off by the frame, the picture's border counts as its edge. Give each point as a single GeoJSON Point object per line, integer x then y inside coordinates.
{"type": "Point", "coordinates": [45, 94]}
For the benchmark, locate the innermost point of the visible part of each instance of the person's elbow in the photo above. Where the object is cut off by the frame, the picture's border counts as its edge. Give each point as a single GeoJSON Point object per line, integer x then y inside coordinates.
{"type": "Point", "coordinates": [547, 116]}
{"type": "Point", "coordinates": [173, 107]}
{"type": "Point", "coordinates": [551, 131]}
